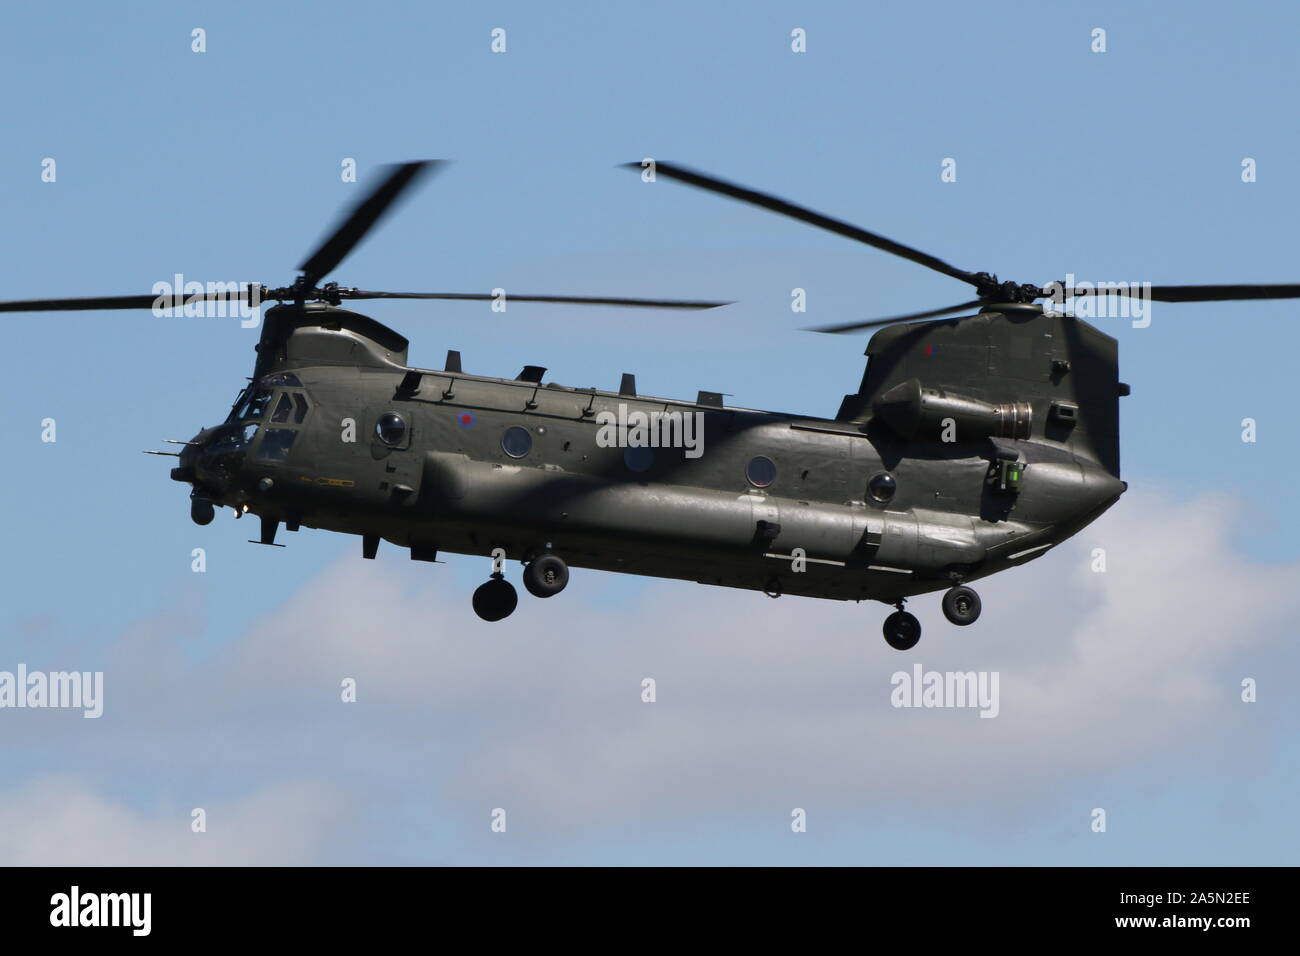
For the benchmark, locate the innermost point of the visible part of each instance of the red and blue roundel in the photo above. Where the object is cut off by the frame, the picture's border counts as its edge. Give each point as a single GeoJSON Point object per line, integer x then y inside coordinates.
{"type": "Point", "coordinates": [465, 419]}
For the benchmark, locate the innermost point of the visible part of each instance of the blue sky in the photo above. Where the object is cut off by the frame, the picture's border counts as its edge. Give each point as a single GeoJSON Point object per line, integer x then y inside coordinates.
{"type": "Point", "coordinates": [225, 166]}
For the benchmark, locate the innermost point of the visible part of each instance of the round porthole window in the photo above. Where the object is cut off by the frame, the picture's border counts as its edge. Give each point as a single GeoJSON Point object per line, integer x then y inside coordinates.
{"type": "Point", "coordinates": [638, 459]}
{"type": "Point", "coordinates": [882, 486]}
{"type": "Point", "coordinates": [390, 428]}
{"type": "Point", "coordinates": [761, 471]}
{"type": "Point", "coordinates": [516, 442]}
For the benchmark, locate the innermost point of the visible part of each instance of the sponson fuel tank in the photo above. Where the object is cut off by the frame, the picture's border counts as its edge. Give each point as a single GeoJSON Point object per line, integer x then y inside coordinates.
{"type": "Point", "coordinates": [457, 488]}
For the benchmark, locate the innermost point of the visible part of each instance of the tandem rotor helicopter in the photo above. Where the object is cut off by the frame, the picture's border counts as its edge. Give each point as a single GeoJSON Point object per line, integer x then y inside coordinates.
{"type": "Point", "coordinates": [973, 444]}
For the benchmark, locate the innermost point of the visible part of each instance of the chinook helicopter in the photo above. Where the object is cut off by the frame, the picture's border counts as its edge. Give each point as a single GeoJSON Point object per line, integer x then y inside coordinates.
{"type": "Point", "coordinates": [973, 444]}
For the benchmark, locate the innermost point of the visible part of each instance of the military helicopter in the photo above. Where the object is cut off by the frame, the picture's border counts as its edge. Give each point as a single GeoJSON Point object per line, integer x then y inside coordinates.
{"type": "Point", "coordinates": [973, 444]}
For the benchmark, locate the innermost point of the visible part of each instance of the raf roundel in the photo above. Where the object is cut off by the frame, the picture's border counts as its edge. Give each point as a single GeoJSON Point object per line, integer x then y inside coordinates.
{"type": "Point", "coordinates": [465, 419]}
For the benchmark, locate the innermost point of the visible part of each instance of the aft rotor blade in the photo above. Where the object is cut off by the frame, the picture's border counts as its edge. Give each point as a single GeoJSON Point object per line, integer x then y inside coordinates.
{"type": "Point", "coordinates": [169, 301]}
{"type": "Point", "coordinates": [874, 323]}
{"type": "Point", "coordinates": [1198, 293]}
{"type": "Point", "coordinates": [785, 208]}
{"type": "Point", "coordinates": [556, 299]}
{"type": "Point", "coordinates": [362, 219]}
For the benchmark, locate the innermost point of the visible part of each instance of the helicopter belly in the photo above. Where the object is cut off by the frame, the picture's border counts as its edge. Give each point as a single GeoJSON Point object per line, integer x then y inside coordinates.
{"type": "Point", "coordinates": [736, 539]}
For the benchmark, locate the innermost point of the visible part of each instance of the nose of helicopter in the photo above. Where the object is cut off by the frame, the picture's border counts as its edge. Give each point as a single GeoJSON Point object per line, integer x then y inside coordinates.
{"type": "Point", "coordinates": [184, 470]}
{"type": "Point", "coordinates": [189, 455]}
{"type": "Point", "coordinates": [211, 460]}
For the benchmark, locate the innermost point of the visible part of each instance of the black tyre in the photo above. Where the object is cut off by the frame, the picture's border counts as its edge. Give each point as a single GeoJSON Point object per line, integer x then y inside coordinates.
{"type": "Point", "coordinates": [961, 606]}
{"type": "Point", "coordinates": [546, 576]}
{"type": "Point", "coordinates": [902, 630]}
{"type": "Point", "coordinates": [496, 599]}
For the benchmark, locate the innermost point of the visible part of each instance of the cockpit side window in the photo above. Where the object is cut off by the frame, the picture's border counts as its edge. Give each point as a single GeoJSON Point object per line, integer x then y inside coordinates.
{"type": "Point", "coordinates": [284, 404]}
{"type": "Point", "coordinates": [254, 402]}
{"type": "Point", "coordinates": [257, 404]}
{"type": "Point", "coordinates": [237, 409]}
{"type": "Point", "coordinates": [276, 443]}
{"type": "Point", "coordinates": [290, 408]}
{"type": "Point", "coordinates": [283, 408]}
{"type": "Point", "coordinates": [228, 440]}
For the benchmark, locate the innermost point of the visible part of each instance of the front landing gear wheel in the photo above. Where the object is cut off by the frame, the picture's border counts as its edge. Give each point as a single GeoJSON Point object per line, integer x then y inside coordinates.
{"type": "Point", "coordinates": [902, 630]}
{"type": "Point", "coordinates": [961, 606]}
{"type": "Point", "coordinates": [546, 575]}
{"type": "Point", "coordinates": [495, 599]}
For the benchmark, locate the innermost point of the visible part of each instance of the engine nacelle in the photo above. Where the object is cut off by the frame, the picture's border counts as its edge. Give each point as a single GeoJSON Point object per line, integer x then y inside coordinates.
{"type": "Point", "coordinates": [913, 411]}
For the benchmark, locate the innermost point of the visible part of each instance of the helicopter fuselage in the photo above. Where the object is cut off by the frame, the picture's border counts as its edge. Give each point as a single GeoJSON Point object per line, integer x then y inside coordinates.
{"type": "Point", "coordinates": [443, 461]}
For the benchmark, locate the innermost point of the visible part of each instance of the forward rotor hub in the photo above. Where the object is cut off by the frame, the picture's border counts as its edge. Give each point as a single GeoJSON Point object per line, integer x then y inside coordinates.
{"type": "Point", "coordinates": [301, 291]}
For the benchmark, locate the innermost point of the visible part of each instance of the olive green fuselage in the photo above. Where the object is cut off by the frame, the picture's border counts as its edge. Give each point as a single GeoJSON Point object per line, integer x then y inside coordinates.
{"type": "Point", "coordinates": [450, 480]}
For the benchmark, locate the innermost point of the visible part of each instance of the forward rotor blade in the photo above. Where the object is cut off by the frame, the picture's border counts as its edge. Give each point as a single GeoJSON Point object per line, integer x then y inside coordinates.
{"type": "Point", "coordinates": [557, 299]}
{"type": "Point", "coordinates": [1199, 293]}
{"type": "Point", "coordinates": [362, 219]}
{"type": "Point", "coordinates": [123, 302]}
{"type": "Point", "coordinates": [778, 205]}
{"type": "Point", "coordinates": [173, 302]}
{"type": "Point", "coordinates": [855, 326]}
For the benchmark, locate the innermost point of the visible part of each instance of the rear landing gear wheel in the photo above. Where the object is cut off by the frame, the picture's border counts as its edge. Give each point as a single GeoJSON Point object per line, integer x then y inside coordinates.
{"type": "Point", "coordinates": [495, 599]}
{"type": "Point", "coordinates": [961, 606]}
{"type": "Point", "coordinates": [902, 630]}
{"type": "Point", "coordinates": [546, 575]}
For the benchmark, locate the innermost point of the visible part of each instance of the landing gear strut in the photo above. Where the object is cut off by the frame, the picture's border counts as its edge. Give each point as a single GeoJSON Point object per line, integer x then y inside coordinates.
{"type": "Point", "coordinates": [546, 575]}
{"type": "Point", "coordinates": [495, 599]}
{"type": "Point", "coordinates": [961, 606]}
{"type": "Point", "coordinates": [902, 629]}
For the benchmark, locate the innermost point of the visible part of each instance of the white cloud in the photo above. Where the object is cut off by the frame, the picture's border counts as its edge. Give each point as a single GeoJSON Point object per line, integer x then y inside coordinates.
{"type": "Point", "coordinates": [787, 700]}
{"type": "Point", "coordinates": [62, 821]}
{"type": "Point", "coordinates": [762, 705]}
